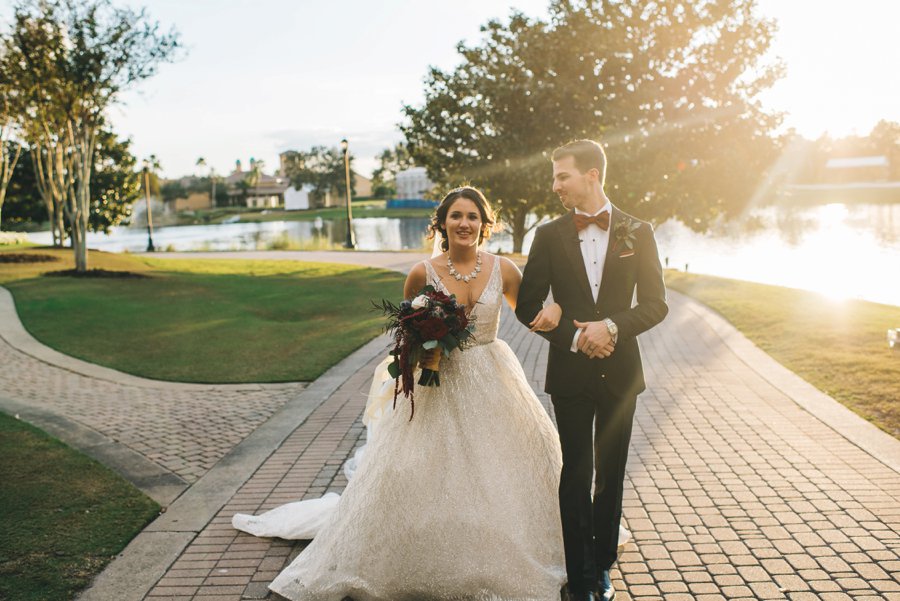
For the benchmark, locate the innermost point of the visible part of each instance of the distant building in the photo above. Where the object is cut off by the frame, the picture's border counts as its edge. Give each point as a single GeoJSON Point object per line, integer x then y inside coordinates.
{"type": "Point", "coordinates": [297, 200]}
{"type": "Point", "coordinates": [194, 201]}
{"type": "Point", "coordinates": [848, 170]}
{"type": "Point", "coordinates": [412, 186]}
{"type": "Point", "coordinates": [267, 193]}
{"type": "Point", "coordinates": [361, 184]}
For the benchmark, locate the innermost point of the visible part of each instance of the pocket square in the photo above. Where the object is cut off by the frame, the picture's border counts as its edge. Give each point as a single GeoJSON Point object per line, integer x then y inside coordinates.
{"type": "Point", "coordinates": [626, 253]}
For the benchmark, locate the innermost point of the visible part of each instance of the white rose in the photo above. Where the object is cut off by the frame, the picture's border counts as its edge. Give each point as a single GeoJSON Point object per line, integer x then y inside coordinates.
{"type": "Point", "coordinates": [420, 301]}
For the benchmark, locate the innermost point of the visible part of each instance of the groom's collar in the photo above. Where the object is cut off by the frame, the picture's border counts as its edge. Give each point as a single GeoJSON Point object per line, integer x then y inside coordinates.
{"type": "Point", "coordinates": [606, 207]}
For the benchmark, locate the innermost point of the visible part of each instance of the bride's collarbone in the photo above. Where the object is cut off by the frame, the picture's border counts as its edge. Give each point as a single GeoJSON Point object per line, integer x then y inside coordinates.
{"type": "Point", "coordinates": [466, 293]}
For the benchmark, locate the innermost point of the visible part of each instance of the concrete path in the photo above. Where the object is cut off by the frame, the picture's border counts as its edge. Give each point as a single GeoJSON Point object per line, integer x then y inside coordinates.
{"type": "Point", "coordinates": [744, 482]}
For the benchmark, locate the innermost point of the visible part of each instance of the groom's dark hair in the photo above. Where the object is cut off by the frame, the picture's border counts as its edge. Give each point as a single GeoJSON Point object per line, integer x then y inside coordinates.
{"type": "Point", "coordinates": [587, 154]}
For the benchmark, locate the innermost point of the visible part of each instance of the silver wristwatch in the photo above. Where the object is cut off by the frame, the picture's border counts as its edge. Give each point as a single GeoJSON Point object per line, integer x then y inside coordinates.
{"type": "Point", "coordinates": [612, 327]}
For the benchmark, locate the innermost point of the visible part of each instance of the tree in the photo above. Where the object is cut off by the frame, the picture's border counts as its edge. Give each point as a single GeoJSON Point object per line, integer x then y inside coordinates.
{"type": "Point", "coordinates": [9, 152]}
{"type": "Point", "coordinates": [201, 162]}
{"type": "Point", "coordinates": [115, 182]}
{"type": "Point", "coordinates": [172, 190]}
{"type": "Point", "coordinates": [669, 87]}
{"type": "Point", "coordinates": [115, 187]}
{"type": "Point", "coordinates": [24, 208]}
{"type": "Point", "coordinates": [391, 162]}
{"type": "Point", "coordinates": [322, 168]}
{"type": "Point", "coordinates": [254, 176]}
{"type": "Point", "coordinates": [68, 61]}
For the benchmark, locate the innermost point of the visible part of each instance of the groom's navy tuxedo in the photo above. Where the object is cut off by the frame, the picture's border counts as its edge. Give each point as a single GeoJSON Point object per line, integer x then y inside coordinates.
{"type": "Point", "coordinates": [593, 394]}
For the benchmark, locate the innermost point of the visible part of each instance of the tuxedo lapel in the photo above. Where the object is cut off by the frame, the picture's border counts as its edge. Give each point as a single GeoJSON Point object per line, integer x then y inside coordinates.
{"type": "Point", "coordinates": [615, 218]}
{"type": "Point", "coordinates": [571, 243]}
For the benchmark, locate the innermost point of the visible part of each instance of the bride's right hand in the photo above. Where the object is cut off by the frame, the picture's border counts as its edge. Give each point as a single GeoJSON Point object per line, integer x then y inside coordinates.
{"type": "Point", "coordinates": [547, 318]}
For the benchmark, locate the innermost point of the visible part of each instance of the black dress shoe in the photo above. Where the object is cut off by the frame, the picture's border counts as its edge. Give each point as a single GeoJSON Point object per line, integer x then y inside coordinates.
{"type": "Point", "coordinates": [588, 596]}
{"type": "Point", "coordinates": [605, 587]}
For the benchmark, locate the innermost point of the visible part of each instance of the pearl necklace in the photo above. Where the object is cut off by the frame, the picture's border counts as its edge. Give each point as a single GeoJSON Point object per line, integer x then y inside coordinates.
{"type": "Point", "coordinates": [459, 276]}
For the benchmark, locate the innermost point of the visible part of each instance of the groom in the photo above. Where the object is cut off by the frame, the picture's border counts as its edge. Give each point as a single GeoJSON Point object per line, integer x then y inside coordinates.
{"type": "Point", "coordinates": [592, 259]}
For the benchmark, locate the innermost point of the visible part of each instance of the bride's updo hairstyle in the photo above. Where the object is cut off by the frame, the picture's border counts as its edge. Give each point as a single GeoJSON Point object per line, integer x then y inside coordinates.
{"type": "Point", "coordinates": [439, 219]}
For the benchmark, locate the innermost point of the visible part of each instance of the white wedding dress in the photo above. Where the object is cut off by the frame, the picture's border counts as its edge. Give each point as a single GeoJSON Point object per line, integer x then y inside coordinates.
{"type": "Point", "coordinates": [458, 503]}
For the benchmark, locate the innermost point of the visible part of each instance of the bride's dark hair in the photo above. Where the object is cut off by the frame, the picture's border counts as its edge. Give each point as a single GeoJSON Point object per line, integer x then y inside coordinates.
{"type": "Point", "coordinates": [439, 219]}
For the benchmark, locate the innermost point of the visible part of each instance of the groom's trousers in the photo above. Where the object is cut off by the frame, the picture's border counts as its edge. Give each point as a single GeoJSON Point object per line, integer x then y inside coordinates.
{"type": "Point", "coordinates": [594, 433]}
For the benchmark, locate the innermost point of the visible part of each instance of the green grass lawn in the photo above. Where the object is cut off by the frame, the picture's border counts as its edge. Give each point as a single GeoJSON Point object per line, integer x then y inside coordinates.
{"type": "Point", "coordinates": [838, 346]}
{"type": "Point", "coordinates": [63, 516]}
{"type": "Point", "coordinates": [17, 246]}
{"type": "Point", "coordinates": [211, 321]}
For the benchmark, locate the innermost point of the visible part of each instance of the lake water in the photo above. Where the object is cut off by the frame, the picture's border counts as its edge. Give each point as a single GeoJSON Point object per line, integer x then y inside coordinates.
{"type": "Point", "coordinates": [845, 251]}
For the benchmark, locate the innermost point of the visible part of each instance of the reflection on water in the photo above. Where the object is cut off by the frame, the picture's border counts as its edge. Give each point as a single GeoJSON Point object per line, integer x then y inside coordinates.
{"type": "Point", "coordinates": [844, 251]}
{"type": "Point", "coordinates": [840, 250]}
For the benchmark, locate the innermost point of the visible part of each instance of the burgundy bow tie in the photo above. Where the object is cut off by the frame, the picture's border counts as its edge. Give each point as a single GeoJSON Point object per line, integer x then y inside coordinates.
{"type": "Point", "coordinates": [601, 219]}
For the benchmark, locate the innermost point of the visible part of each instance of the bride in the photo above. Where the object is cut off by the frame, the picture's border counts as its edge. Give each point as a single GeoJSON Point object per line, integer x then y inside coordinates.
{"type": "Point", "coordinates": [461, 501]}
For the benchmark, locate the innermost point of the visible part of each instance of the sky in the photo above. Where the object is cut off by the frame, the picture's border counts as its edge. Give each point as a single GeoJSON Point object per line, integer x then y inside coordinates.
{"type": "Point", "coordinates": [261, 77]}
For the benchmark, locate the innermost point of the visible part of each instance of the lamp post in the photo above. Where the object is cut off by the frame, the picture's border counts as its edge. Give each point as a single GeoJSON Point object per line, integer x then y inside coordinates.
{"type": "Point", "coordinates": [349, 242]}
{"type": "Point", "coordinates": [147, 165]}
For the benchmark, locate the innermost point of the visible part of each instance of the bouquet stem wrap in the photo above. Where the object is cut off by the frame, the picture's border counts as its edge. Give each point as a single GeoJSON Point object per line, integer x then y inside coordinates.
{"type": "Point", "coordinates": [430, 364]}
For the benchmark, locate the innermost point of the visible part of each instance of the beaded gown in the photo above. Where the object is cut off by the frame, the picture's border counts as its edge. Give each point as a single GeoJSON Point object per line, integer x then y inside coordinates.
{"type": "Point", "coordinates": [458, 503]}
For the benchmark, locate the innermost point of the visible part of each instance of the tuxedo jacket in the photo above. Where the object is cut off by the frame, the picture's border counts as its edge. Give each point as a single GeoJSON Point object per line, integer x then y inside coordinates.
{"type": "Point", "coordinates": [555, 264]}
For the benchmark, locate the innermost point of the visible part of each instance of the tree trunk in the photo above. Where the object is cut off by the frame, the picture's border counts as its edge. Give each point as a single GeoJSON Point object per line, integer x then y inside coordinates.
{"type": "Point", "coordinates": [84, 156]}
{"type": "Point", "coordinates": [518, 228]}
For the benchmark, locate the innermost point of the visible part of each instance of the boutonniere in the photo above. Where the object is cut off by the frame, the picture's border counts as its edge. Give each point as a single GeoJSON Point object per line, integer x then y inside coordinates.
{"type": "Point", "coordinates": [625, 238]}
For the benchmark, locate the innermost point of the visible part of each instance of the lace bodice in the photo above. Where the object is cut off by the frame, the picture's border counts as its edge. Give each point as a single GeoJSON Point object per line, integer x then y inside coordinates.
{"type": "Point", "coordinates": [487, 309]}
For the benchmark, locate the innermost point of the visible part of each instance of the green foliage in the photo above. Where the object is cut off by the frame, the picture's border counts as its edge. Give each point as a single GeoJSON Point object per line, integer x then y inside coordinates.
{"type": "Point", "coordinates": [322, 168]}
{"type": "Point", "coordinates": [115, 182]}
{"type": "Point", "coordinates": [669, 88]}
{"type": "Point", "coordinates": [115, 185]}
{"type": "Point", "coordinates": [67, 61]}
{"type": "Point", "coordinates": [390, 162]}
{"type": "Point", "coordinates": [883, 140]}
{"type": "Point", "coordinates": [171, 190]}
{"type": "Point", "coordinates": [24, 208]}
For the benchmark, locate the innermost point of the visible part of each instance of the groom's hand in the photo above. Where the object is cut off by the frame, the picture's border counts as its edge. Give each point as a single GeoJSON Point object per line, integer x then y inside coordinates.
{"type": "Point", "coordinates": [595, 340]}
{"type": "Point", "coordinates": [547, 318]}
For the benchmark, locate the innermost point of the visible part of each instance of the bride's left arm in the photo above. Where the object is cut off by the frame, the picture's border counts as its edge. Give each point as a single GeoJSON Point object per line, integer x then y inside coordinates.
{"type": "Point", "coordinates": [512, 278]}
{"type": "Point", "coordinates": [547, 318]}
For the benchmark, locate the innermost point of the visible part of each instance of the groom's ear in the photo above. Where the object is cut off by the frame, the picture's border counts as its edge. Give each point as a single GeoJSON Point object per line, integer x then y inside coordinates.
{"type": "Point", "coordinates": [594, 173]}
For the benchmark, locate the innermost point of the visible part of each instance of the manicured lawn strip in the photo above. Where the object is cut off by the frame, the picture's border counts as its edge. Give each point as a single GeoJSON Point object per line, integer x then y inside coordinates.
{"type": "Point", "coordinates": [838, 346]}
{"type": "Point", "coordinates": [213, 321]}
{"type": "Point", "coordinates": [63, 516]}
{"type": "Point", "coordinates": [18, 246]}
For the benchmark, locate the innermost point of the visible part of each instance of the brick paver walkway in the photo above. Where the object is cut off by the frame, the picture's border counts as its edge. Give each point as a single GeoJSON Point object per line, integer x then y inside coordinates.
{"type": "Point", "coordinates": [733, 490]}
{"type": "Point", "coordinates": [183, 429]}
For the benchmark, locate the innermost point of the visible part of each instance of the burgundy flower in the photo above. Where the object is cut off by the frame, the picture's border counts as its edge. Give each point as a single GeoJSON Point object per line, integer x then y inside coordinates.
{"type": "Point", "coordinates": [433, 329]}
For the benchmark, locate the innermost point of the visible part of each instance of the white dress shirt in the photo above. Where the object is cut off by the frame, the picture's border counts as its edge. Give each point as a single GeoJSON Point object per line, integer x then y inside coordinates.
{"type": "Point", "coordinates": [594, 242]}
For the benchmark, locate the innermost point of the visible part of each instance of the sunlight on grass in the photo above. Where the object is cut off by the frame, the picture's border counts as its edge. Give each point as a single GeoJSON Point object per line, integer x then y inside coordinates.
{"type": "Point", "coordinates": [204, 320]}
{"type": "Point", "coordinates": [837, 345]}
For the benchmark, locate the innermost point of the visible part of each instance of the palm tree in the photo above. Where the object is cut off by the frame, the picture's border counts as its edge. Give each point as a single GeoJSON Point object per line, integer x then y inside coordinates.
{"type": "Point", "coordinates": [255, 175]}
{"type": "Point", "coordinates": [201, 162]}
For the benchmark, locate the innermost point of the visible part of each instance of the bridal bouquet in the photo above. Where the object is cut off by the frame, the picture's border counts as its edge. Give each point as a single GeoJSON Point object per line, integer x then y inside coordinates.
{"type": "Point", "coordinates": [426, 328]}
